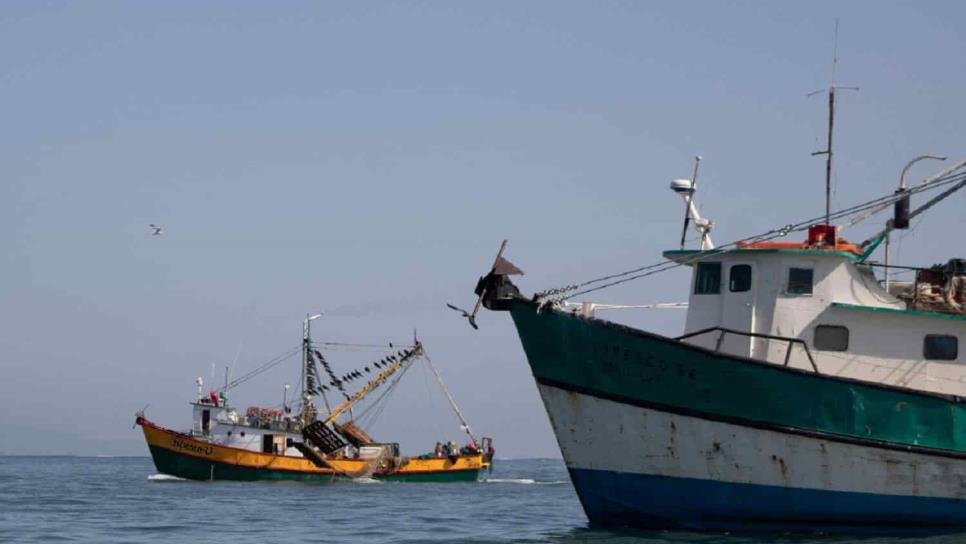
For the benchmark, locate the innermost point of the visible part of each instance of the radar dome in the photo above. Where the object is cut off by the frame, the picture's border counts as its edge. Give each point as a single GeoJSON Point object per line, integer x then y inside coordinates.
{"type": "Point", "coordinates": [682, 186]}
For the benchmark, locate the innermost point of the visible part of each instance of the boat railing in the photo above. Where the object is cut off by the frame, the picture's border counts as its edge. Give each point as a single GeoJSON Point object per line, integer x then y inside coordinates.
{"type": "Point", "coordinates": [722, 331]}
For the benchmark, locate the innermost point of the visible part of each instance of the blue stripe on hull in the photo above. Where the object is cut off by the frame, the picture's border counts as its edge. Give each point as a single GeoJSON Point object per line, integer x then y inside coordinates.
{"type": "Point", "coordinates": [660, 502]}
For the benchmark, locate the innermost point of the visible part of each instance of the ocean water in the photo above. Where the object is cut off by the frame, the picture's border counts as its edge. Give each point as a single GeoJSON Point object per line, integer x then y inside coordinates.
{"type": "Point", "coordinates": [123, 499]}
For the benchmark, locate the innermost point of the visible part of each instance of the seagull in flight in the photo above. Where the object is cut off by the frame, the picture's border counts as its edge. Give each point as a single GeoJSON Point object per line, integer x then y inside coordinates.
{"type": "Point", "coordinates": [471, 317]}
{"type": "Point", "coordinates": [156, 230]}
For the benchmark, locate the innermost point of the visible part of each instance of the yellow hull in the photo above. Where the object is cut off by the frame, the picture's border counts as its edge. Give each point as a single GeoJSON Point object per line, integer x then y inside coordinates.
{"type": "Point", "coordinates": [185, 456]}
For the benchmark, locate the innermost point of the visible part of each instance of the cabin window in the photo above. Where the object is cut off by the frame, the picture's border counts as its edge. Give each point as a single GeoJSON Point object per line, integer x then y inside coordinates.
{"type": "Point", "coordinates": [831, 338]}
{"type": "Point", "coordinates": [800, 281]}
{"type": "Point", "coordinates": [205, 421]}
{"type": "Point", "coordinates": [739, 279]}
{"type": "Point", "coordinates": [707, 279]}
{"type": "Point", "coordinates": [268, 443]}
{"type": "Point", "coordinates": [941, 346]}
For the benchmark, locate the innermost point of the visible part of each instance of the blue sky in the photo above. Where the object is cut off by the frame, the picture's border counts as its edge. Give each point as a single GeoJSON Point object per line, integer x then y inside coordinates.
{"type": "Point", "coordinates": [366, 159]}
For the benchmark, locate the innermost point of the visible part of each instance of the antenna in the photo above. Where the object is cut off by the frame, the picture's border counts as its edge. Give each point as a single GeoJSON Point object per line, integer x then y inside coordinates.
{"type": "Point", "coordinates": [689, 197]}
{"type": "Point", "coordinates": [686, 188]}
{"type": "Point", "coordinates": [831, 122]}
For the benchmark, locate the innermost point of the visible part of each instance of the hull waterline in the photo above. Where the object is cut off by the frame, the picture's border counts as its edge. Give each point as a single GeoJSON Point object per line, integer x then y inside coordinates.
{"type": "Point", "coordinates": [662, 435]}
{"type": "Point", "coordinates": [187, 457]}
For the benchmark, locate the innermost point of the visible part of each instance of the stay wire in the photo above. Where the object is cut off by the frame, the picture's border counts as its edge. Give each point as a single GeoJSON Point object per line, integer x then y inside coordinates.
{"type": "Point", "coordinates": [379, 405]}
{"type": "Point", "coordinates": [665, 265]}
{"type": "Point", "coordinates": [264, 367]}
{"type": "Point", "coordinates": [429, 396]}
{"type": "Point", "coordinates": [387, 346]}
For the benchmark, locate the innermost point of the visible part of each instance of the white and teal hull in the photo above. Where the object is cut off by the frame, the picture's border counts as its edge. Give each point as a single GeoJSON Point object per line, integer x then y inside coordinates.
{"type": "Point", "coordinates": [638, 466]}
{"type": "Point", "coordinates": [659, 434]}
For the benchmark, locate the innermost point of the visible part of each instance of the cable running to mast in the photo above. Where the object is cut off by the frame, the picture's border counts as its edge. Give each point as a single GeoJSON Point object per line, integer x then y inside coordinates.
{"type": "Point", "coordinates": [651, 269]}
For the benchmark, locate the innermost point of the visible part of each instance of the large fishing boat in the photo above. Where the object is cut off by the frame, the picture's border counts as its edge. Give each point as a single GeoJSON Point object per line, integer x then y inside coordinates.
{"type": "Point", "coordinates": [300, 443]}
{"type": "Point", "coordinates": [805, 391]}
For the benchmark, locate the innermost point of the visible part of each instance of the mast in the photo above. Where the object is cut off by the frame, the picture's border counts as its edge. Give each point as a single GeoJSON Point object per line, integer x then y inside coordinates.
{"type": "Point", "coordinates": [308, 402]}
{"type": "Point", "coordinates": [828, 158]}
{"type": "Point", "coordinates": [828, 150]}
{"type": "Point", "coordinates": [689, 199]}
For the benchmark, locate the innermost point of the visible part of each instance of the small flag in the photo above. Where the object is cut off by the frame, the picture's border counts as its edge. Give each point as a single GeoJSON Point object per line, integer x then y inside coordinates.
{"type": "Point", "coordinates": [503, 267]}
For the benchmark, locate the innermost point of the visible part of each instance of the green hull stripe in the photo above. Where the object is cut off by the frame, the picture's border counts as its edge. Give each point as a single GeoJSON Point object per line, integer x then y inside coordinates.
{"type": "Point", "coordinates": [616, 361]}
{"type": "Point", "coordinates": [897, 311]}
{"type": "Point", "coordinates": [194, 468]}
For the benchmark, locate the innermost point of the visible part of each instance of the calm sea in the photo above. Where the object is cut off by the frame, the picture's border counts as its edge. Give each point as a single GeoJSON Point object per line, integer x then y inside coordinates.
{"type": "Point", "coordinates": [105, 499]}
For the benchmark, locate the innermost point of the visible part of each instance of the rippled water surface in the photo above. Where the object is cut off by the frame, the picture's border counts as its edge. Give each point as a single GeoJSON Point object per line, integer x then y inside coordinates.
{"type": "Point", "coordinates": [99, 499]}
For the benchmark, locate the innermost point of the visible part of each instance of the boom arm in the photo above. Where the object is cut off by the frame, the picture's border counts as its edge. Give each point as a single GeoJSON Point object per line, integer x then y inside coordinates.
{"type": "Point", "coordinates": [379, 380]}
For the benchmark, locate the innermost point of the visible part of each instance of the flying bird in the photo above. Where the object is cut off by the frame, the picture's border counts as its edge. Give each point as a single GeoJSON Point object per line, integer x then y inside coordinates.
{"type": "Point", "coordinates": [471, 317]}
{"type": "Point", "coordinates": [156, 230]}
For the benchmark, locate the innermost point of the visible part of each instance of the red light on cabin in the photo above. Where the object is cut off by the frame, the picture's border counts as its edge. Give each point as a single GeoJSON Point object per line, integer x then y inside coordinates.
{"type": "Point", "coordinates": [822, 235]}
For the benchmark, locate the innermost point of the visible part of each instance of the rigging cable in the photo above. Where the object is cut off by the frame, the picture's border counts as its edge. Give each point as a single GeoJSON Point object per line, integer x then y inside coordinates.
{"type": "Point", "coordinates": [265, 367]}
{"type": "Point", "coordinates": [452, 402]}
{"type": "Point", "coordinates": [432, 404]}
{"type": "Point", "coordinates": [923, 183]}
{"type": "Point", "coordinates": [385, 347]}
{"type": "Point", "coordinates": [651, 269]}
{"type": "Point", "coordinates": [368, 411]}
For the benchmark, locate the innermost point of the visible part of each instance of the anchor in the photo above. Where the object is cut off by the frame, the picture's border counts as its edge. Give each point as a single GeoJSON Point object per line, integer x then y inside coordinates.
{"type": "Point", "coordinates": [495, 290]}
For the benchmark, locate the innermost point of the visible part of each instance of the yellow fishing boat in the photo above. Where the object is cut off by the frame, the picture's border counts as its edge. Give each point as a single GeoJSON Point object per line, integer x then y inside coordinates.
{"type": "Point", "coordinates": [286, 444]}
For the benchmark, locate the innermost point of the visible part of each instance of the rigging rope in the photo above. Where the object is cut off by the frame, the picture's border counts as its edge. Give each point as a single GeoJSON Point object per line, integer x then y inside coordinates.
{"type": "Point", "coordinates": [265, 367]}
{"type": "Point", "coordinates": [432, 404]}
{"type": "Point", "coordinates": [452, 402]}
{"type": "Point", "coordinates": [558, 295]}
{"type": "Point", "coordinates": [384, 347]}
{"type": "Point", "coordinates": [379, 400]}
{"type": "Point", "coordinates": [335, 382]}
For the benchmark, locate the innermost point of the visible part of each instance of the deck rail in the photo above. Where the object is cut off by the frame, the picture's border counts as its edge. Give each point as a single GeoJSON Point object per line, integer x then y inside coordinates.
{"type": "Point", "coordinates": [722, 331]}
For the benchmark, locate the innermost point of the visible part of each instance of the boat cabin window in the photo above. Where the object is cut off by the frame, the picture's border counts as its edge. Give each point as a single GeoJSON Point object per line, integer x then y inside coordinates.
{"type": "Point", "coordinates": [205, 421]}
{"type": "Point", "coordinates": [799, 281]}
{"type": "Point", "coordinates": [941, 346]}
{"type": "Point", "coordinates": [831, 338]}
{"type": "Point", "coordinates": [268, 443]}
{"type": "Point", "coordinates": [739, 279]}
{"type": "Point", "coordinates": [707, 279]}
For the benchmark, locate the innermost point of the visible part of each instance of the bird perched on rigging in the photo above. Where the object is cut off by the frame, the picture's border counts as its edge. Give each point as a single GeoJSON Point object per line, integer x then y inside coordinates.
{"type": "Point", "coordinates": [156, 230]}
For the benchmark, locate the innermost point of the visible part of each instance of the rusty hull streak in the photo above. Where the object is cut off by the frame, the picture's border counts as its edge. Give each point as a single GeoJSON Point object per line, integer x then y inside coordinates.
{"type": "Point", "coordinates": [781, 467]}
